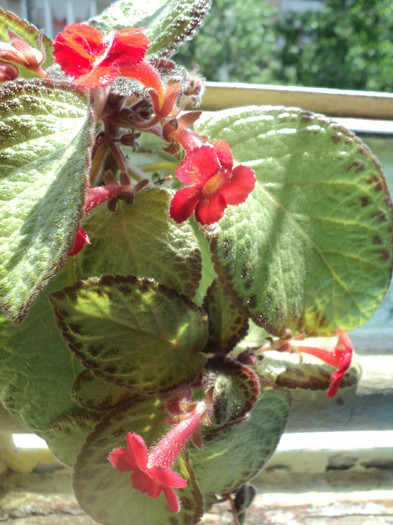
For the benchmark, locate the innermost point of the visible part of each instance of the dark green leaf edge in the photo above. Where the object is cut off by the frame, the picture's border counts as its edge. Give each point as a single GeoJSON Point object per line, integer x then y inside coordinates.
{"type": "Point", "coordinates": [107, 402]}
{"type": "Point", "coordinates": [108, 280]}
{"type": "Point", "coordinates": [61, 429]}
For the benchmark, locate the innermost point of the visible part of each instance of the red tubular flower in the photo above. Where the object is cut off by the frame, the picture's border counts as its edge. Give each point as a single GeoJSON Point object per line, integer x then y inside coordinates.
{"type": "Point", "coordinates": [80, 239]}
{"type": "Point", "coordinates": [150, 470]}
{"type": "Point", "coordinates": [340, 357]}
{"type": "Point", "coordinates": [213, 184]}
{"type": "Point", "coordinates": [95, 60]}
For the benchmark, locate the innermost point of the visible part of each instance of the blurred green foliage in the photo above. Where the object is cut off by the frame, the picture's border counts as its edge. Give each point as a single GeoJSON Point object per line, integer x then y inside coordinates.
{"type": "Point", "coordinates": [348, 44]}
{"type": "Point", "coordinates": [236, 43]}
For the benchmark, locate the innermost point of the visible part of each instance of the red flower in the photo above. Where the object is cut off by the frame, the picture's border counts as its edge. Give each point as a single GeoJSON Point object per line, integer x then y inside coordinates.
{"type": "Point", "coordinates": [95, 60]}
{"type": "Point", "coordinates": [340, 357]}
{"type": "Point", "coordinates": [213, 184]}
{"type": "Point", "coordinates": [150, 470]}
{"type": "Point", "coordinates": [343, 355]}
{"type": "Point", "coordinates": [80, 239]}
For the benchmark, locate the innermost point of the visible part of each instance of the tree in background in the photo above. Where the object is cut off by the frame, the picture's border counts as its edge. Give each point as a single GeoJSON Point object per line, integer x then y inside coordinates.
{"type": "Point", "coordinates": [236, 43]}
{"type": "Point", "coordinates": [348, 45]}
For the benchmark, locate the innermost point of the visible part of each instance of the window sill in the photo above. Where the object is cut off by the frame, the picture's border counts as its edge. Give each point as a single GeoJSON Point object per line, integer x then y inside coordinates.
{"type": "Point", "coordinates": [332, 102]}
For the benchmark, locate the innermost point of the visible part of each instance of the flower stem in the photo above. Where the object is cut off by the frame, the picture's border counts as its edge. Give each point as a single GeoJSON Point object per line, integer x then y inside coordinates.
{"type": "Point", "coordinates": [155, 166]}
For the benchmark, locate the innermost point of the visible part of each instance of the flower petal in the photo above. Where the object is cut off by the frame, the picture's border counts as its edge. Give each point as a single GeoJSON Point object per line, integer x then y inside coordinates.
{"type": "Point", "coordinates": [97, 77]}
{"type": "Point", "coordinates": [167, 477]}
{"type": "Point", "coordinates": [344, 341]}
{"type": "Point", "coordinates": [183, 203]}
{"type": "Point", "coordinates": [122, 460]}
{"type": "Point", "coordinates": [240, 186]}
{"type": "Point", "coordinates": [171, 499]}
{"type": "Point", "coordinates": [138, 449]}
{"type": "Point", "coordinates": [76, 48]}
{"type": "Point", "coordinates": [145, 484]}
{"type": "Point", "coordinates": [94, 60]}
{"type": "Point", "coordinates": [210, 210]}
{"type": "Point", "coordinates": [128, 47]}
{"type": "Point", "coordinates": [80, 239]}
{"type": "Point", "coordinates": [224, 154]}
{"type": "Point", "coordinates": [335, 380]}
{"type": "Point", "coordinates": [199, 165]}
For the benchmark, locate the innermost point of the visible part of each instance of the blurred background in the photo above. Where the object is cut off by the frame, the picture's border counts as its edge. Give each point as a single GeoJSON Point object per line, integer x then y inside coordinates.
{"type": "Point", "coordinates": [343, 44]}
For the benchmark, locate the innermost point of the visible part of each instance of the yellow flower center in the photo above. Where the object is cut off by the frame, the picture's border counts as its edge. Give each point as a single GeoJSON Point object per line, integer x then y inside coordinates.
{"type": "Point", "coordinates": [215, 183]}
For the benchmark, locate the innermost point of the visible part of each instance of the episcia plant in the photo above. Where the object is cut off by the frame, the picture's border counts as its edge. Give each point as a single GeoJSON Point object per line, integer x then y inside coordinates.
{"type": "Point", "coordinates": [170, 279]}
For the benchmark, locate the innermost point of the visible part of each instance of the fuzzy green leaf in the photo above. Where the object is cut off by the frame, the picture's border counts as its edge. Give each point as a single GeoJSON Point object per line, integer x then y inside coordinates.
{"type": "Point", "coordinates": [44, 155]}
{"type": "Point", "coordinates": [142, 240]}
{"type": "Point", "coordinates": [228, 323]}
{"type": "Point", "coordinates": [311, 248]}
{"type": "Point", "coordinates": [107, 495]}
{"type": "Point", "coordinates": [133, 332]}
{"type": "Point", "coordinates": [236, 389]}
{"type": "Point", "coordinates": [67, 433]}
{"type": "Point", "coordinates": [233, 454]}
{"type": "Point", "coordinates": [169, 23]}
{"type": "Point", "coordinates": [93, 393]}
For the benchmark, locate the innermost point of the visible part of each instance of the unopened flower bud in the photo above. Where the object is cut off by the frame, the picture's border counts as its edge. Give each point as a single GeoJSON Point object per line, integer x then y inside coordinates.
{"type": "Point", "coordinates": [18, 51]}
{"type": "Point", "coordinates": [8, 71]}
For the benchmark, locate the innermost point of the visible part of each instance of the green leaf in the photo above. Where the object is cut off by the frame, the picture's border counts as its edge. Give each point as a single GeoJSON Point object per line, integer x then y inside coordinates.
{"type": "Point", "coordinates": [255, 337]}
{"type": "Point", "coordinates": [107, 495]}
{"type": "Point", "coordinates": [142, 240]}
{"type": "Point", "coordinates": [311, 248]}
{"type": "Point", "coordinates": [233, 454]}
{"type": "Point", "coordinates": [67, 433]}
{"type": "Point", "coordinates": [29, 33]}
{"type": "Point", "coordinates": [169, 23]}
{"type": "Point", "coordinates": [36, 368]}
{"type": "Point", "coordinates": [208, 272]}
{"type": "Point", "coordinates": [133, 332]}
{"type": "Point", "coordinates": [93, 393]}
{"type": "Point", "coordinates": [228, 323]}
{"type": "Point", "coordinates": [236, 389]}
{"type": "Point", "coordinates": [45, 139]}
